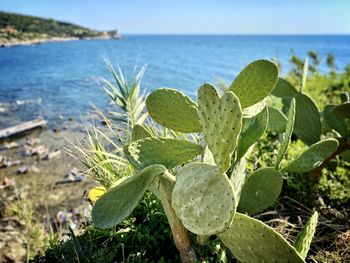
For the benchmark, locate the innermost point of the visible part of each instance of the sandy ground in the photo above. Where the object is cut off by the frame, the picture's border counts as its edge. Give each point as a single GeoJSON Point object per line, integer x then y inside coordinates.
{"type": "Point", "coordinates": [39, 187]}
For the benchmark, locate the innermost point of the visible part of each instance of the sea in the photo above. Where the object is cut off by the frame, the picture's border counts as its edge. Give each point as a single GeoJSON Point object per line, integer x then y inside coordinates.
{"type": "Point", "coordinates": [60, 80]}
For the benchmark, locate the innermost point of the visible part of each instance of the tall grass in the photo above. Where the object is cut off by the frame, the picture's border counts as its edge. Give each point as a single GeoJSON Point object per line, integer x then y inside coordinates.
{"type": "Point", "coordinates": [127, 96]}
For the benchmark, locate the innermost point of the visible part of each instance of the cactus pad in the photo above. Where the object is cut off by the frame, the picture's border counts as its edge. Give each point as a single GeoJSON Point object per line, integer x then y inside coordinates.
{"type": "Point", "coordinates": [252, 130]}
{"type": "Point", "coordinates": [252, 241]}
{"type": "Point", "coordinates": [254, 110]}
{"type": "Point", "coordinates": [287, 136]}
{"type": "Point", "coordinates": [343, 110]}
{"type": "Point", "coordinates": [208, 156]}
{"type": "Point", "coordinates": [168, 152]}
{"type": "Point", "coordinates": [119, 201]}
{"type": "Point", "coordinates": [173, 110]}
{"type": "Point", "coordinates": [284, 89]}
{"type": "Point", "coordinates": [307, 126]}
{"type": "Point", "coordinates": [255, 82]}
{"type": "Point", "coordinates": [260, 190]}
{"type": "Point", "coordinates": [238, 177]}
{"type": "Point", "coordinates": [203, 198]}
{"type": "Point", "coordinates": [277, 121]}
{"type": "Point", "coordinates": [221, 120]}
{"type": "Point", "coordinates": [334, 121]}
{"type": "Point", "coordinates": [139, 132]}
{"type": "Point", "coordinates": [303, 241]}
{"type": "Point", "coordinates": [312, 157]}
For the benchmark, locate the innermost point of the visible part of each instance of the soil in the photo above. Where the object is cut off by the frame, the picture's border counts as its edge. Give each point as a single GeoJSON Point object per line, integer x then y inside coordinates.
{"type": "Point", "coordinates": [39, 185]}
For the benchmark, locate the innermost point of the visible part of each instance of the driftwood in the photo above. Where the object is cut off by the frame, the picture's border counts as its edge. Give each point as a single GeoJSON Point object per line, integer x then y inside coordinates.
{"type": "Point", "coordinates": [21, 128]}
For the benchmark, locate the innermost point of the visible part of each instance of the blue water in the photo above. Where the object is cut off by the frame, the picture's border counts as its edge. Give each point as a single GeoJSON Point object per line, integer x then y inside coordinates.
{"type": "Point", "coordinates": [60, 78]}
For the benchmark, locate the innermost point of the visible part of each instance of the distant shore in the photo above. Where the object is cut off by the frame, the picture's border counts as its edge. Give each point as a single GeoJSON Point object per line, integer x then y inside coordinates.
{"type": "Point", "coordinates": [38, 41]}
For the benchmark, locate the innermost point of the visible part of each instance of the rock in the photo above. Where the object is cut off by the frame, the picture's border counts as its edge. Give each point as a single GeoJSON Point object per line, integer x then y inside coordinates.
{"type": "Point", "coordinates": [6, 183]}
{"type": "Point", "coordinates": [32, 141]}
{"type": "Point", "coordinates": [10, 145]}
{"type": "Point", "coordinates": [72, 177]}
{"type": "Point", "coordinates": [40, 151]}
{"type": "Point", "coordinates": [56, 153]}
{"type": "Point", "coordinates": [28, 169]}
{"type": "Point", "coordinates": [4, 162]}
{"type": "Point", "coordinates": [56, 130]}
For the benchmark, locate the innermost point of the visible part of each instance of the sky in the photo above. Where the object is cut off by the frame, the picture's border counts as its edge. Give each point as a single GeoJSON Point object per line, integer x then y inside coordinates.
{"type": "Point", "coordinates": [195, 16]}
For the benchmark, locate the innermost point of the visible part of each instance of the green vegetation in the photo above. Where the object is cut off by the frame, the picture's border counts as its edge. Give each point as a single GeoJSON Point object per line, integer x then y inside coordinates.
{"type": "Point", "coordinates": [15, 27]}
{"type": "Point", "coordinates": [211, 180]}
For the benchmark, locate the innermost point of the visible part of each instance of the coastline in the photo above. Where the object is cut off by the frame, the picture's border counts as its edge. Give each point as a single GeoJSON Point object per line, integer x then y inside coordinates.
{"type": "Point", "coordinates": [38, 41]}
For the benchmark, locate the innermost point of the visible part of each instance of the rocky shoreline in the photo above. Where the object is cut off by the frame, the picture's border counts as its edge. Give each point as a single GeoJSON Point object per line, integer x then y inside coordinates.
{"type": "Point", "coordinates": [38, 41]}
{"type": "Point", "coordinates": [35, 169]}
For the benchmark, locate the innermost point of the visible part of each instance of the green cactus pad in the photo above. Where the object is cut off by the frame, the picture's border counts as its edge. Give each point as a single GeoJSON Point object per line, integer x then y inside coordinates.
{"type": "Point", "coordinates": [260, 190]}
{"type": "Point", "coordinates": [251, 241]}
{"type": "Point", "coordinates": [255, 82]}
{"type": "Point", "coordinates": [203, 198]}
{"type": "Point", "coordinates": [168, 152]}
{"type": "Point", "coordinates": [284, 89]}
{"type": "Point", "coordinates": [254, 110]}
{"type": "Point", "coordinates": [343, 110]}
{"type": "Point", "coordinates": [287, 136]}
{"type": "Point", "coordinates": [252, 130]}
{"type": "Point", "coordinates": [307, 126]}
{"type": "Point", "coordinates": [334, 121]}
{"type": "Point", "coordinates": [312, 157]}
{"type": "Point", "coordinates": [173, 110]}
{"type": "Point", "coordinates": [238, 177]}
{"type": "Point", "coordinates": [277, 121]}
{"type": "Point", "coordinates": [221, 120]}
{"type": "Point", "coordinates": [208, 156]}
{"type": "Point", "coordinates": [139, 132]}
{"type": "Point", "coordinates": [303, 240]}
{"type": "Point", "coordinates": [119, 201]}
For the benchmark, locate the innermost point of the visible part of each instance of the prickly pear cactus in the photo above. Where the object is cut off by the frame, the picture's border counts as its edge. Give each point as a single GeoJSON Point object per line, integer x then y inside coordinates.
{"type": "Point", "coordinates": [119, 201]}
{"type": "Point", "coordinates": [303, 241]}
{"type": "Point", "coordinates": [203, 198]}
{"type": "Point", "coordinates": [277, 121]}
{"type": "Point", "coordinates": [255, 82]}
{"type": "Point", "coordinates": [335, 121]}
{"type": "Point", "coordinates": [221, 120]}
{"type": "Point", "coordinates": [287, 136]}
{"type": "Point", "coordinates": [252, 241]}
{"type": "Point", "coordinates": [208, 156]}
{"type": "Point", "coordinates": [307, 126]}
{"type": "Point", "coordinates": [139, 132]}
{"type": "Point", "coordinates": [168, 152]}
{"type": "Point", "coordinates": [284, 89]}
{"type": "Point", "coordinates": [260, 190]}
{"type": "Point", "coordinates": [173, 110]}
{"type": "Point", "coordinates": [238, 177]}
{"type": "Point", "coordinates": [254, 110]}
{"type": "Point", "coordinates": [253, 129]}
{"type": "Point", "coordinates": [343, 110]}
{"type": "Point", "coordinates": [312, 157]}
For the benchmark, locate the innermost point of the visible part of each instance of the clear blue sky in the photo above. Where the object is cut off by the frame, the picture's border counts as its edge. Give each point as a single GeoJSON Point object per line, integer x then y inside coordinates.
{"type": "Point", "coordinates": [196, 16]}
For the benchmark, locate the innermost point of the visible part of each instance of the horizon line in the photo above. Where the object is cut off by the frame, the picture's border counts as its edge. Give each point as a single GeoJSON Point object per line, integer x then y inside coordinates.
{"type": "Point", "coordinates": [238, 34]}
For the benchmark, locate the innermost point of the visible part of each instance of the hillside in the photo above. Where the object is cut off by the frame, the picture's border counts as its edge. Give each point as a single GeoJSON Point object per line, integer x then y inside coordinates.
{"type": "Point", "coordinates": [17, 29]}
